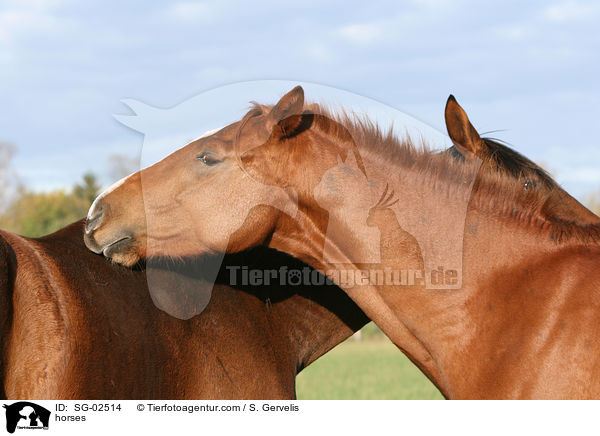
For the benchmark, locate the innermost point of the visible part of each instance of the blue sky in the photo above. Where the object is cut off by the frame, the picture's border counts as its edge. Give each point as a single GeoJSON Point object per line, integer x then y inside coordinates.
{"type": "Point", "coordinates": [528, 68]}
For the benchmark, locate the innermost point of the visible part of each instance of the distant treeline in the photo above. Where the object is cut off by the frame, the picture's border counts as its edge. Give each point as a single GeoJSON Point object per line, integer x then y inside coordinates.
{"type": "Point", "coordinates": [40, 213]}
{"type": "Point", "coordinates": [31, 213]}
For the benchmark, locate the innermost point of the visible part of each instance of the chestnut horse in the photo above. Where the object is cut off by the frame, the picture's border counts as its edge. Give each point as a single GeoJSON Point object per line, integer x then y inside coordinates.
{"type": "Point", "coordinates": [520, 323]}
{"type": "Point", "coordinates": [496, 156]}
{"type": "Point", "coordinates": [73, 326]}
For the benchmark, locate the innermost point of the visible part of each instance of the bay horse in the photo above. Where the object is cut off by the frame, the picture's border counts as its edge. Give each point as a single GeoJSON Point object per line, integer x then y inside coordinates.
{"type": "Point", "coordinates": [520, 323]}
{"type": "Point", "coordinates": [73, 326]}
{"type": "Point", "coordinates": [497, 156]}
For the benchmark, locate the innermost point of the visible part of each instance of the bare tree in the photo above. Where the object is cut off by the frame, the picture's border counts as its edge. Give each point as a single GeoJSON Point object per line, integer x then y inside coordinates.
{"type": "Point", "coordinates": [121, 166]}
{"type": "Point", "coordinates": [9, 181]}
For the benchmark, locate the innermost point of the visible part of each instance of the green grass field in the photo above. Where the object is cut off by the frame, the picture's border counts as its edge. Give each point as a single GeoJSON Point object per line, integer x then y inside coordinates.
{"type": "Point", "coordinates": [372, 369]}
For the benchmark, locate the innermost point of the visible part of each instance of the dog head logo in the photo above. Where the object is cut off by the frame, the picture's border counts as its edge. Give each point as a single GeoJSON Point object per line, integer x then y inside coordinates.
{"type": "Point", "coordinates": [26, 415]}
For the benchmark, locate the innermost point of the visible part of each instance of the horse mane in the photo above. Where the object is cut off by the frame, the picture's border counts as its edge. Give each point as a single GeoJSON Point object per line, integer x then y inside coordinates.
{"type": "Point", "coordinates": [514, 163]}
{"type": "Point", "coordinates": [499, 186]}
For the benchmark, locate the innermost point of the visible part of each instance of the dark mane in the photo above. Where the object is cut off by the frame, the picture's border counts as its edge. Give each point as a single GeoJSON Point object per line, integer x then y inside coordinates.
{"type": "Point", "coordinates": [499, 186]}
{"type": "Point", "coordinates": [514, 163]}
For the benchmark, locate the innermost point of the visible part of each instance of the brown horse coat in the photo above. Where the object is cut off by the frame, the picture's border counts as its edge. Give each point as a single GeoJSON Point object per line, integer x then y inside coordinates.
{"type": "Point", "coordinates": [74, 326]}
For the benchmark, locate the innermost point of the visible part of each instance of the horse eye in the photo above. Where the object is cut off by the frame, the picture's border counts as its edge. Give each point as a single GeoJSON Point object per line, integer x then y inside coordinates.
{"type": "Point", "coordinates": [527, 184]}
{"type": "Point", "coordinates": [207, 159]}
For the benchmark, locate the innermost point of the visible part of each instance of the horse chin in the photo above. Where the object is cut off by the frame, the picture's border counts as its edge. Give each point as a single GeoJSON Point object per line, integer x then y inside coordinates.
{"type": "Point", "coordinates": [127, 258]}
{"type": "Point", "coordinates": [124, 251]}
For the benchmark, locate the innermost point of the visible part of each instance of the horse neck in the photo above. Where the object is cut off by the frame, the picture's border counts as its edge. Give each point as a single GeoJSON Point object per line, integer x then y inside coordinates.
{"type": "Point", "coordinates": [316, 320]}
{"type": "Point", "coordinates": [394, 239]}
{"type": "Point", "coordinates": [522, 294]}
{"type": "Point", "coordinates": [440, 330]}
{"type": "Point", "coordinates": [513, 311]}
{"type": "Point", "coordinates": [569, 209]}
{"type": "Point", "coordinates": [303, 238]}
{"type": "Point", "coordinates": [305, 321]}
{"type": "Point", "coordinates": [489, 337]}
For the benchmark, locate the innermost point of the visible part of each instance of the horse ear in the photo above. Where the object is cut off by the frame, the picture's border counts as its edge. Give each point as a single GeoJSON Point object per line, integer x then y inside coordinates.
{"type": "Point", "coordinates": [460, 129]}
{"type": "Point", "coordinates": [287, 113]}
{"type": "Point", "coordinates": [290, 104]}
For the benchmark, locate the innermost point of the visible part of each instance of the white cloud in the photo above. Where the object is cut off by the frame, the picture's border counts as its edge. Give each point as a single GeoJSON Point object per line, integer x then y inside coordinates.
{"type": "Point", "coordinates": [192, 11]}
{"type": "Point", "coordinates": [34, 4]}
{"type": "Point", "coordinates": [583, 174]}
{"type": "Point", "coordinates": [513, 32]}
{"type": "Point", "coordinates": [26, 17]}
{"type": "Point", "coordinates": [16, 23]}
{"type": "Point", "coordinates": [570, 11]}
{"type": "Point", "coordinates": [361, 33]}
{"type": "Point", "coordinates": [318, 52]}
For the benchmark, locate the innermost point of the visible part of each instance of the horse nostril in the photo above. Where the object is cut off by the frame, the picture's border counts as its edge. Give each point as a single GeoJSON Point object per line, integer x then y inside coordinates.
{"type": "Point", "coordinates": [93, 222]}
